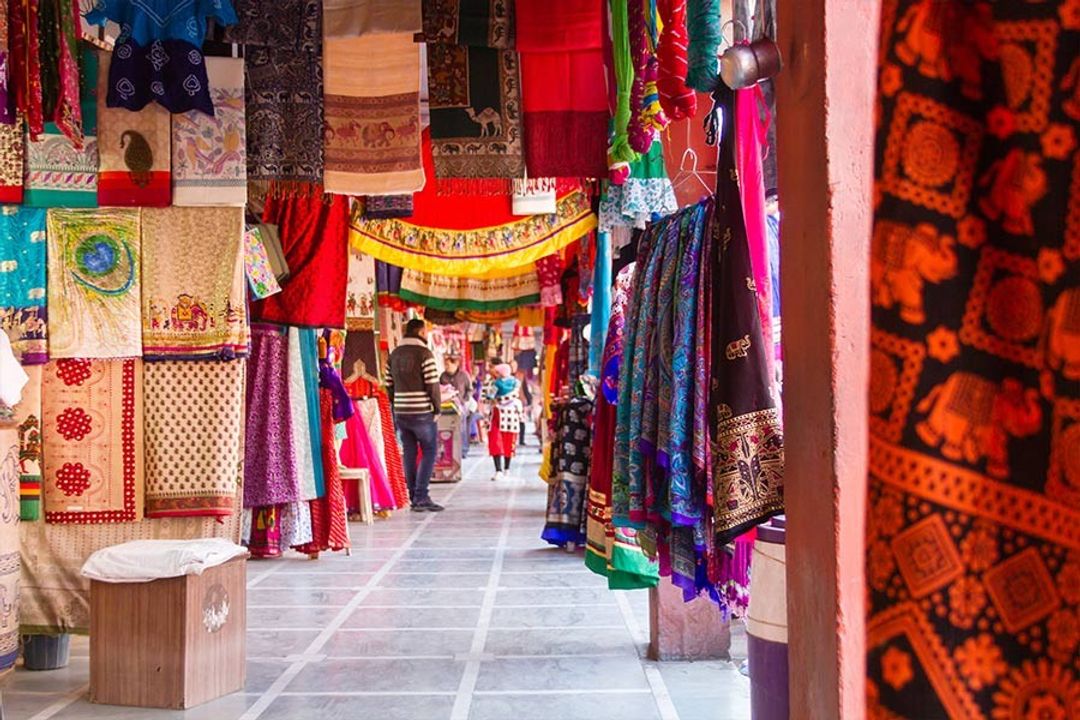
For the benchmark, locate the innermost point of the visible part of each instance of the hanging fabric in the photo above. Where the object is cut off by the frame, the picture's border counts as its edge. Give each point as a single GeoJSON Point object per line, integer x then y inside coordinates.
{"type": "Point", "coordinates": [360, 293]}
{"type": "Point", "coordinates": [342, 18]}
{"type": "Point", "coordinates": [293, 26]}
{"type": "Point", "coordinates": [300, 429]}
{"type": "Point", "coordinates": [471, 294]}
{"type": "Point", "coordinates": [27, 421]}
{"type": "Point", "coordinates": [388, 206]}
{"type": "Point", "coordinates": [12, 160]}
{"type": "Point", "coordinates": [647, 194]}
{"type": "Point", "coordinates": [25, 42]}
{"type": "Point", "coordinates": [10, 553]}
{"type": "Point", "coordinates": [23, 311]}
{"type": "Point", "coordinates": [171, 73]}
{"type": "Point", "coordinates": [678, 101]}
{"type": "Point", "coordinates": [271, 465]}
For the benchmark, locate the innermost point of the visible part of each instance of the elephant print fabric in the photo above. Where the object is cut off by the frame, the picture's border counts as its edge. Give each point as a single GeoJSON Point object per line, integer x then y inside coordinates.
{"type": "Point", "coordinates": [973, 534]}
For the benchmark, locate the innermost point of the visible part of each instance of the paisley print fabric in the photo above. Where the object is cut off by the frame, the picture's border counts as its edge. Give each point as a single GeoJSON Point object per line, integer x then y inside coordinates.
{"type": "Point", "coordinates": [973, 527]}
{"type": "Point", "coordinates": [22, 282]}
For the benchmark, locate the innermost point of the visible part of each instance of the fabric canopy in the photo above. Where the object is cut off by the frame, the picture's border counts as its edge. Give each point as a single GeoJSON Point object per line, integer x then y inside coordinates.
{"type": "Point", "coordinates": [448, 237]}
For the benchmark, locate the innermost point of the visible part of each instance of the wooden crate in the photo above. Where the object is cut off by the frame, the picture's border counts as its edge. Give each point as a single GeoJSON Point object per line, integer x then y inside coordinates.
{"type": "Point", "coordinates": [173, 643]}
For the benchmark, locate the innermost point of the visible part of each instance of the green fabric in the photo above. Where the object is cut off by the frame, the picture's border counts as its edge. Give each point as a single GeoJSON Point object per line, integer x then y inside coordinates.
{"type": "Point", "coordinates": [620, 150]}
{"type": "Point", "coordinates": [462, 304]}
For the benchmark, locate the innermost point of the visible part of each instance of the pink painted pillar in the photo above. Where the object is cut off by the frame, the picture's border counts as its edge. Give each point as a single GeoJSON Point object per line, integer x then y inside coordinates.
{"type": "Point", "coordinates": [825, 112]}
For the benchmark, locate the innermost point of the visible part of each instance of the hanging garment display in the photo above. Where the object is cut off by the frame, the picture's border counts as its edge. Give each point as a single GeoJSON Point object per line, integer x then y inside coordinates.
{"type": "Point", "coordinates": [22, 282]}
{"type": "Point", "coordinates": [27, 421]}
{"type": "Point", "coordinates": [150, 20]}
{"type": "Point", "coordinates": [194, 416]}
{"type": "Point", "coordinates": [702, 50]}
{"type": "Point", "coordinates": [455, 239]}
{"type": "Point", "coordinates": [647, 118]}
{"type": "Point", "coordinates": [678, 101]}
{"type": "Point", "coordinates": [313, 233]}
{"type": "Point", "coordinates": [92, 425]}
{"type": "Point", "coordinates": [360, 293]}
{"type": "Point", "coordinates": [370, 17]}
{"type": "Point", "coordinates": [209, 152]}
{"type": "Point", "coordinates": [25, 44]}
{"type": "Point", "coordinates": [134, 149]}
{"type": "Point", "coordinates": [571, 451]}
{"type": "Point", "coordinates": [647, 194]}
{"type": "Point", "coordinates": [271, 467]}
{"type": "Point", "coordinates": [308, 465]}
{"type": "Point", "coordinates": [294, 26]}
{"type": "Point", "coordinates": [94, 283]}
{"type": "Point", "coordinates": [472, 294]}
{"type": "Point", "coordinates": [388, 206]}
{"type": "Point", "coordinates": [973, 526]}
{"type": "Point", "coordinates": [193, 294]}
{"type": "Point", "coordinates": [309, 365]}
{"type": "Point", "coordinates": [358, 451]}
{"type": "Point", "coordinates": [10, 556]}
{"type": "Point", "coordinates": [171, 73]}
{"type": "Point", "coordinates": [61, 172]}
{"type": "Point", "coordinates": [61, 93]}
{"type": "Point", "coordinates": [262, 281]}
{"type": "Point", "coordinates": [329, 517]}
{"type": "Point", "coordinates": [565, 98]}
{"type": "Point", "coordinates": [12, 160]}
{"type": "Point", "coordinates": [373, 117]}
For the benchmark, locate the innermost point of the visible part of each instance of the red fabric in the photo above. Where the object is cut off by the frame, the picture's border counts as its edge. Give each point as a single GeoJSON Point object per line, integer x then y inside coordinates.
{"type": "Point", "coordinates": [395, 470]}
{"type": "Point", "coordinates": [329, 518]}
{"type": "Point", "coordinates": [678, 101]}
{"type": "Point", "coordinates": [25, 68]}
{"type": "Point", "coordinates": [559, 25]}
{"type": "Point", "coordinates": [117, 189]}
{"type": "Point", "coordinates": [500, 444]}
{"type": "Point", "coordinates": [314, 236]}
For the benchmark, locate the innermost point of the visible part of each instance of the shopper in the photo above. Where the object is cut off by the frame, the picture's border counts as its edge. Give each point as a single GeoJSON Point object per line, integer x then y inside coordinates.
{"type": "Point", "coordinates": [456, 377]}
{"type": "Point", "coordinates": [526, 401]}
{"type": "Point", "coordinates": [412, 381]}
{"type": "Point", "coordinates": [503, 392]}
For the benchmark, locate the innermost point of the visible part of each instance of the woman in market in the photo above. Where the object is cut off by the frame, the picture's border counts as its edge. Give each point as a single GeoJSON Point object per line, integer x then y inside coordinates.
{"type": "Point", "coordinates": [503, 392]}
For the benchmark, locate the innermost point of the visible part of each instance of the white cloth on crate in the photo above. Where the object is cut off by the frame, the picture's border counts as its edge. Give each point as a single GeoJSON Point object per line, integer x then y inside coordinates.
{"type": "Point", "coordinates": [12, 377]}
{"type": "Point", "coordinates": [147, 560]}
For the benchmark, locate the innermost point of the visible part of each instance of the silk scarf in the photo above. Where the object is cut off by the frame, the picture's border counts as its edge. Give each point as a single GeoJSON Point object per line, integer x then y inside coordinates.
{"type": "Point", "coordinates": [92, 425]}
{"type": "Point", "coordinates": [209, 153]}
{"type": "Point", "coordinates": [134, 149]}
{"type": "Point", "coordinates": [94, 283]}
{"type": "Point", "coordinates": [193, 304]}
{"type": "Point", "coordinates": [193, 437]}
{"type": "Point", "coordinates": [22, 282]}
{"type": "Point", "coordinates": [372, 136]}
{"type": "Point", "coordinates": [343, 18]}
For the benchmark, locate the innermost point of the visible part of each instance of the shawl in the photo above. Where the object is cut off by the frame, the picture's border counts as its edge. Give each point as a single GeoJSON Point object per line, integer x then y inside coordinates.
{"type": "Point", "coordinates": [372, 136]}
{"type": "Point", "coordinates": [171, 73]}
{"type": "Point", "coordinates": [12, 158]}
{"type": "Point", "coordinates": [391, 455]}
{"type": "Point", "coordinates": [94, 283]}
{"type": "Point", "coordinates": [59, 172]}
{"type": "Point", "coordinates": [973, 521]}
{"type": "Point", "coordinates": [149, 20]}
{"type": "Point", "coordinates": [209, 154]}
{"type": "Point", "coordinates": [564, 98]}
{"type": "Point", "coordinates": [22, 282]}
{"type": "Point", "coordinates": [471, 294]}
{"type": "Point", "coordinates": [27, 421]}
{"type": "Point", "coordinates": [193, 437]}
{"type": "Point", "coordinates": [293, 26]}
{"type": "Point", "coordinates": [134, 149]}
{"type": "Point", "coordinates": [478, 23]}
{"type": "Point", "coordinates": [193, 294]}
{"type": "Point", "coordinates": [644, 196]}
{"type": "Point", "coordinates": [570, 456]}
{"type": "Point", "coordinates": [456, 239]}
{"type": "Point", "coordinates": [10, 556]}
{"type": "Point", "coordinates": [370, 17]}
{"type": "Point", "coordinates": [313, 237]}
{"type": "Point", "coordinates": [744, 422]}
{"type": "Point", "coordinates": [257, 266]}
{"type": "Point", "coordinates": [388, 206]}
{"type": "Point", "coordinates": [298, 421]}
{"type": "Point", "coordinates": [284, 113]}
{"type": "Point", "coordinates": [60, 68]}
{"type": "Point", "coordinates": [704, 38]}
{"type": "Point", "coordinates": [360, 293]}
{"type": "Point", "coordinates": [271, 467]}
{"type": "Point", "coordinates": [7, 110]}
{"type": "Point", "coordinates": [648, 117]}
{"type": "Point", "coordinates": [92, 425]}
{"type": "Point", "coordinates": [24, 37]}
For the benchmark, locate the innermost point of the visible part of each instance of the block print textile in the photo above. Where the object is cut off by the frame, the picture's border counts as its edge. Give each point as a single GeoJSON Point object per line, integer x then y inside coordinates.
{"type": "Point", "coordinates": [22, 282]}
{"type": "Point", "coordinates": [360, 292]}
{"type": "Point", "coordinates": [973, 525]}
{"type": "Point", "coordinates": [9, 548]}
{"type": "Point", "coordinates": [94, 283]}
{"type": "Point", "coordinates": [12, 155]}
{"type": "Point", "coordinates": [193, 292]}
{"type": "Point", "coordinates": [209, 153]}
{"type": "Point", "coordinates": [27, 421]}
{"type": "Point", "coordinates": [92, 427]}
{"type": "Point", "coordinates": [193, 437]}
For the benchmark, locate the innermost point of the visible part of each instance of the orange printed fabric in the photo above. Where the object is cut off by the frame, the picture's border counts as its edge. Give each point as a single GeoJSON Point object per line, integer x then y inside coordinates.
{"type": "Point", "coordinates": [92, 424]}
{"type": "Point", "coordinates": [973, 534]}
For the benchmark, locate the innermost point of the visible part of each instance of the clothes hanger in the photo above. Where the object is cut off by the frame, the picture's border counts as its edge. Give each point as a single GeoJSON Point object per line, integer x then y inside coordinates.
{"type": "Point", "coordinates": [687, 174]}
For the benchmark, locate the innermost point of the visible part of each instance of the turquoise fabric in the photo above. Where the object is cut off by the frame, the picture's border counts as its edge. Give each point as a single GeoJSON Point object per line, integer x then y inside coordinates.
{"type": "Point", "coordinates": [601, 303]}
{"type": "Point", "coordinates": [309, 355]}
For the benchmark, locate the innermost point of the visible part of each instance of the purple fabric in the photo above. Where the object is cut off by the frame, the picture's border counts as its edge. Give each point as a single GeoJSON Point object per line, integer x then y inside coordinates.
{"type": "Point", "coordinates": [330, 379]}
{"type": "Point", "coordinates": [271, 471]}
{"type": "Point", "coordinates": [387, 278]}
{"type": "Point", "coordinates": [7, 112]}
{"type": "Point", "coordinates": [169, 72]}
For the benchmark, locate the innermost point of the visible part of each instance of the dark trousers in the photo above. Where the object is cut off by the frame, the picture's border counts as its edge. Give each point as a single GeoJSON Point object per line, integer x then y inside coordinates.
{"type": "Point", "coordinates": [418, 432]}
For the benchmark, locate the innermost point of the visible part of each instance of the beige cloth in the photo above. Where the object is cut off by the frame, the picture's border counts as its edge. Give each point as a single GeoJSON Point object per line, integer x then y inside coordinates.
{"type": "Point", "coordinates": [371, 104]}
{"type": "Point", "coordinates": [9, 546]}
{"type": "Point", "coordinates": [342, 18]}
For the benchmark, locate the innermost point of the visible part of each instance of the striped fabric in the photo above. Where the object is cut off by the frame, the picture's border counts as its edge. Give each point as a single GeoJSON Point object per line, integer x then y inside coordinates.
{"type": "Point", "coordinates": [412, 379]}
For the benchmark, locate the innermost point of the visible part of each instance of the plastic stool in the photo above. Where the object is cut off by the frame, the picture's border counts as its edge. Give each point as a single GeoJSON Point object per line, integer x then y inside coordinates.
{"type": "Point", "coordinates": [363, 481]}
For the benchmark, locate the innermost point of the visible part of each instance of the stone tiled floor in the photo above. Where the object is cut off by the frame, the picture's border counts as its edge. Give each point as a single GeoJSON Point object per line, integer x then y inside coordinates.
{"type": "Point", "coordinates": [462, 615]}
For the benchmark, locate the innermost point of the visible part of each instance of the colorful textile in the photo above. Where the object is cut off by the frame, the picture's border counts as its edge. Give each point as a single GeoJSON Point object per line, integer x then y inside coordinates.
{"type": "Point", "coordinates": [299, 427]}
{"type": "Point", "coordinates": [571, 452]}
{"type": "Point", "coordinates": [395, 469]}
{"type": "Point", "coordinates": [62, 102]}
{"type": "Point", "coordinates": [92, 425]}
{"type": "Point", "coordinates": [564, 87]}
{"type": "Point", "coordinates": [10, 556]}
{"type": "Point", "coordinates": [309, 366]}
{"type": "Point", "coordinates": [388, 206]}
{"type": "Point", "coordinates": [171, 73]}
{"type": "Point", "coordinates": [94, 284]}
{"type": "Point", "coordinates": [193, 293]}
{"type": "Point", "coordinates": [284, 112]}
{"type": "Point", "coordinates": [149, 20]}
{"type": "Point", "coordinates": [329, 517]}
{"type": "Point", "coordinates": [313, 234]}
{"type": "Point", "coordinates": [22, 282]}
{"type": "Point", "coordinates": [291, 25]}
{"type": "Point", "coordinates": [271, 467]}
{"type": "Point", "coordinates": [27, 421]}
{"type": "Point", "coordinates": [193, 437]}
{"type": "Point", "coordinates": [476, 23]}
{"type": "Point", "coordinates": [373, 117]}
{"type": "Point", "coordinates": [645, 196]}
{"type": "Point", "coordinates": [12, 159]}
{"type": "Point", "coordinates": [973, 524]}
{"type": "Point", "coordinates": [477, 239]}
{"type": "Point", "coordinates": [475, 294]}
{"type": "Point", "coordinates": [265, 541]}
{"type": "Point", "coordinates": [370, 17]}
{"type": "Point", "coordinates": [23, 35]}
{"type": "Point", "coordinates": [209, 152]}
{"type": "Point", "coordinates": [359, 451]}
{"type": "Point", "coordinates": [59, 171]}
{"type": "Point", "coordinates": [134, 150]}
{"type": "Point", "coordinates": [360, 293]}
{"type": "Point", "coordinates": [257, 268]}
{"type": "Point", "coordinates": [7, 112]}
{"type": "Point", "coordinates": [678, 101]}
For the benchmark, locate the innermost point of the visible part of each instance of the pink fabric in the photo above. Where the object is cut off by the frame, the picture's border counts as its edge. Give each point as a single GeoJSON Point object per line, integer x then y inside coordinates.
{"type": "Point", "coordinates": [359, 452]}
{"type": "Point", "coordinates": [750, 132]}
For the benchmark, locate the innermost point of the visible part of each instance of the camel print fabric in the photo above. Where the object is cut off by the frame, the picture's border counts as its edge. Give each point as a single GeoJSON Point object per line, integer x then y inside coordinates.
{"type": "Point", "coordinates": [973, 532]}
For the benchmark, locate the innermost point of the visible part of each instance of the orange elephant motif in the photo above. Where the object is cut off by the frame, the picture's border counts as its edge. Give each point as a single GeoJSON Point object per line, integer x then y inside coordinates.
{"type": "Point", "coordinates": [971, 417]}
{"type": "Point", "coordinates": [1016, 183]}
{"type": "Point", "coordinates": [902, 260]}
{"type": "Point", "coordinates": [947, 40]}
{"type": "Point", "coordinates": [1062, 335]}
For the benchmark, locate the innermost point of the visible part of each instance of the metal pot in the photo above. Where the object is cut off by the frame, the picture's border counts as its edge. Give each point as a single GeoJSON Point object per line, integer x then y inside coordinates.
{"type": "Point", "coordinates": [748, 64]}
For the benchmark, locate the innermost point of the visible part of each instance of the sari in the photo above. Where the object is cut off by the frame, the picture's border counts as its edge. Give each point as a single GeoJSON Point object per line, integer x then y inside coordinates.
{"type": "Point", "coordinates": [22, 282]}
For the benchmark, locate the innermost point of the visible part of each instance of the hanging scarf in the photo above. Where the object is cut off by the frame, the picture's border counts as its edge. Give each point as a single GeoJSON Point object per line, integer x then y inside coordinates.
{"type": "Point", "coordinates": [373, 117]}
{"type": "Point", "coordinates": [171, 73]}
{"type": "Point", "coordinates": [12, 160]}
{"type": "Point", "coordinates": [61, 102]}
{"type": "Point", "coordinates": [25, 41]}
{"type": "Point", "coordinates": [455, 239]}
{"type": "Point", "coordinates": [7, 105]}
{"type": "Point", "coordinates": [564, 95]}
{"type": "Point", "coordinates": [678, 101]}
{"type": "Point", "coordinates": [646, 195]}
{"type": "Point", "coordinates": [271, 466]}
{"type": "Point", "coordinates": [647, 118]}
{"type": "Point", "coordinates": [471, 294]}
{"type": "Point", "coordinates": [291, 26]}
{"type": "Point", "coordinates": [22, 282]}
{"type": "Point", "coordinates": [388, 206]}
{"type": "Point", "coordinates": [360, 293]}
{"type": "Point", "coordinates": [620, 151]}
{"type": "Point", "coordinates": [149, 20]}
{"type": "Point", "coordinates": [703, 26]}
{"type": "Point", "coordinates": [369, 17]}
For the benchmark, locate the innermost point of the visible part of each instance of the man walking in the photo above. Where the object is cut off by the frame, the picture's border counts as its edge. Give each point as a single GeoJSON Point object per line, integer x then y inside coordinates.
{"type": "Point", "coordinates": [412, 381]}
